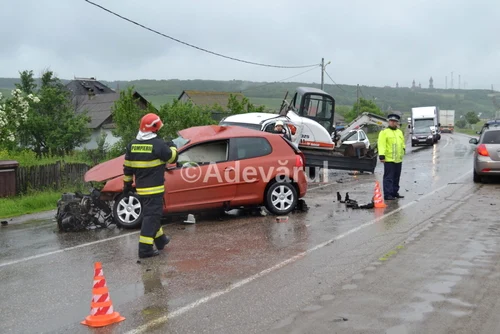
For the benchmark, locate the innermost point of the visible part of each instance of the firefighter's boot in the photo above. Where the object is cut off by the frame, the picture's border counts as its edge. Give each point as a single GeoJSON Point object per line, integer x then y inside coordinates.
{"type": "Point", "coordinates": [161, 241]}
{"type": "Point", "coordinates": [147, 251]}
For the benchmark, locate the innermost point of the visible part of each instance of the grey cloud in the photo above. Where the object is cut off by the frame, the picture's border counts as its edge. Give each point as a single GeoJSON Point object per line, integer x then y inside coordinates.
{"type": "Point", "coordinates": [369, 42]}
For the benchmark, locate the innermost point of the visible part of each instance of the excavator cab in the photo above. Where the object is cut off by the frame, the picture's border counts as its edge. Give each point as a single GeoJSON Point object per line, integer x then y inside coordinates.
{"type": "Point", "coordinates": [315, 104]}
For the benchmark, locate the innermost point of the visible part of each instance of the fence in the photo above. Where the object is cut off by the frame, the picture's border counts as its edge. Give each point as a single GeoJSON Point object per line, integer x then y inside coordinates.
{"type": "Point", "coordinates": [53, 176]}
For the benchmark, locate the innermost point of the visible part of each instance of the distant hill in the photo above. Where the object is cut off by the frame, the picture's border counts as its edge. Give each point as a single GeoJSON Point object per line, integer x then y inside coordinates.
{"type": "Point", "coordinates": [271, 94]}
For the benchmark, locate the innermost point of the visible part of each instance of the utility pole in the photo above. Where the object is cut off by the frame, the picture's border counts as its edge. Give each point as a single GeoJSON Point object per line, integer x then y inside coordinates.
{"type": "Point", "coordinates": [446, 83]}
{"type": "Point", "coordinates": [357, 97]}
{"type": "Point", "coordinates": [451, 80]}
{"type": "Point", "coordinates": [459, 81]}
{"type": "Point", "coordinates": [322, 73]}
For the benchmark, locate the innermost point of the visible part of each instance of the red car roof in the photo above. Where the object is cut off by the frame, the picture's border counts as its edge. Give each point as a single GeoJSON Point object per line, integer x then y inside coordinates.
{"type": "Point", "coordinates": [205, 132]}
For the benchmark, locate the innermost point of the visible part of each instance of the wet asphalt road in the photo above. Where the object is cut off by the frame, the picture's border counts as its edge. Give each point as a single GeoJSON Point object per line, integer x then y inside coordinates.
{"type": "Point", "coordinates": [427, 263]}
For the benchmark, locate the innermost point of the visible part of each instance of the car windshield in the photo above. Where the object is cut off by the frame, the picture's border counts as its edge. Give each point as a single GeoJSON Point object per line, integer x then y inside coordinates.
{"type": "Point", "coordinates": [491, 137]}
{"type": "Point", "coordinates": [245, 125]}
{"type": "Point", "coordinates": [353, 135]}
{"type": "Point", "coordinates": [180, 141]}
{"type": "Point", "coordinates": [422, 130]}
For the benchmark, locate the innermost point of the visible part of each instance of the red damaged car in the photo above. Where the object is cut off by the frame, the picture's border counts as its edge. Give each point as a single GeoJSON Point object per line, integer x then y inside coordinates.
{"type": "Point", "coordinates": [219, 167]}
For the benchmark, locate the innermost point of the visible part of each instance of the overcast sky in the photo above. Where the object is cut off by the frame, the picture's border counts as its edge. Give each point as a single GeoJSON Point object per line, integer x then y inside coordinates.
{"type": "Point", "coordinates": [368, 42]}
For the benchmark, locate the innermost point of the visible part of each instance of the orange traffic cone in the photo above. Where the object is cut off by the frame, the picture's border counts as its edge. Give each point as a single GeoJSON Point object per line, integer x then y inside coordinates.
{"type": "Point", "coordinates": [378, 200]}
{"type": "Point", "coordinates": [101, 307]}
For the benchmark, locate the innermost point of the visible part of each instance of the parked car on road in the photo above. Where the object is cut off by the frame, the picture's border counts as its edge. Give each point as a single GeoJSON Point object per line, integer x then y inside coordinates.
{"type": "Point", "coordinates": [487, 153]}
{"type": "Point", "coordinates": [219, 167]}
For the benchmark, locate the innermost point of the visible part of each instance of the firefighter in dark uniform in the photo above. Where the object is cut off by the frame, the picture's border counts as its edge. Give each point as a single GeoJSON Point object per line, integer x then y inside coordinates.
{"type": "Point", "coordinates": [145, 158]}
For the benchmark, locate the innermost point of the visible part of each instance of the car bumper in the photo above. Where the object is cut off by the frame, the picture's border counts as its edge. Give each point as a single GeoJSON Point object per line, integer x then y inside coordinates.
{"type": "Point", "coordinates": [486, 166]}
{"type": "Point", "coordinates": [425, 141]}
{"type": "Point", "coordinates": [302, 183]}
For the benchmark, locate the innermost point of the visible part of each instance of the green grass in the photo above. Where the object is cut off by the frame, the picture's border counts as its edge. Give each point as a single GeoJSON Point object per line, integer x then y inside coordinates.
{"type": "Point", "coordinates": [271, 103]}
{"type": "Point", "coordinates": [159, 100]}
{"type": "Point", "coordinates": [5, 92]}
{"type": "Point", "coordinates": [28, 158]}
{"type": "Point", "coordinates": [31, 203]}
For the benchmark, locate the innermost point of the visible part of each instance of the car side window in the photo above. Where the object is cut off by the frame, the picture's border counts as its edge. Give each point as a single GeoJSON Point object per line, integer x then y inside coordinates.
{"type": "Point", "coordinates": [362, 135]}
{"type": "Point", "coordinates": [250, 147]}
{"type": "Point", "coordinates": [269, 127]}
{"type": "Point", "coordinates": [215, 151]}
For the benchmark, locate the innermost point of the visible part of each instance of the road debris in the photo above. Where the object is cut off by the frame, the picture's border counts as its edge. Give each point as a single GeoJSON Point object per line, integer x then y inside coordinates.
{"type": "Point", "coordinates": [190, 219]}
{"type": "Point", "coordinates": [350, 203]}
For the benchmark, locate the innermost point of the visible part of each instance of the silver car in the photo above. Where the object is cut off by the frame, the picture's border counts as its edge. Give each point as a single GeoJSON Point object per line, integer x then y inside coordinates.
{"type": "Point", "coordinates": [487, 153]}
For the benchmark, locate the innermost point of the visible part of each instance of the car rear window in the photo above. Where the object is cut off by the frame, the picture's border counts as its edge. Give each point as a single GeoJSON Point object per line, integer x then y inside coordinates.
{"type": "Point", "coordinates": [491, 137]}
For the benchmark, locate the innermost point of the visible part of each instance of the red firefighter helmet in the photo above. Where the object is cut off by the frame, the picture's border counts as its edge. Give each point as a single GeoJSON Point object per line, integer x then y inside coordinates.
{"type": "Point", "coordinates": [150, 123]}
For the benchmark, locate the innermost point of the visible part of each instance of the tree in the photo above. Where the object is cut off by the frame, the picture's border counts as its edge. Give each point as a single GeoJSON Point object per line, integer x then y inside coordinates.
{"type": "Point", "coordinates": [361, 107]}
{"type": "Point", "coordinates": [461, 123]}
{"type": "Point", "coordinates": [52, 127]}
{"type": "Point", "coordinates": [13, 117]}
{"type": "Point", "coordinates": [179, 115]}
{"type": "Point", "coordinates": [471, 117]}
{"type": "Point", "coordinates": [127, 114]}
{"type": "Point", "coordinates": [176, 116]}
{"type": "Point", "coordinates": [236, 106]}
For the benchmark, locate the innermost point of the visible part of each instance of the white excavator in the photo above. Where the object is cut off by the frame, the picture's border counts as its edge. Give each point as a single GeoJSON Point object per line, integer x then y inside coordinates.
{"type": "Point", "coordinates": [309, 122]}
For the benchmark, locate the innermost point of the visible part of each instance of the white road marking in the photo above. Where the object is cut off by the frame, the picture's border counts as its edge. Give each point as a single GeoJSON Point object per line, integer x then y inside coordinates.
{"type": "Point", "coordinates": [245, 281]}
{"type": "Point", "coordinates": [447, 142]}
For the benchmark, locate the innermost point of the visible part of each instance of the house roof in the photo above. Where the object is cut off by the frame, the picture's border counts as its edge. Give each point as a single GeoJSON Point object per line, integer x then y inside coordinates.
{"type": "Point", "coordinates": [201, 98]}
{"type": "Point", "coordinates": [82, 86]}
{"type": "Point", "coordinates": [99, 106]}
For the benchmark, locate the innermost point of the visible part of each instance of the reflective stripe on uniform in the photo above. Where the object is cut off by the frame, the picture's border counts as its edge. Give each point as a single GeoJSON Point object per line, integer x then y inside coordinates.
{"type": "Point", "coordinates": [146, 240]}
{"type": "Point", "coordinates": [159, 233]}
{"type": "Point", "coordinates": [174, 155]}
{"type": "Point", "coordinates": [151, 190]}
{"type": "Point", "coordinates": [127, 178]}
{"type": "Point", "coordinates": [143, 164]}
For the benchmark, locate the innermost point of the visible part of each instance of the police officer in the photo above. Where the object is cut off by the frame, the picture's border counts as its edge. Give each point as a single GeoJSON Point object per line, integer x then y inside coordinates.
{"type": "Point", "coordinates": [145, 158]}
{"type": "Point", "coordinates": [391, 149]}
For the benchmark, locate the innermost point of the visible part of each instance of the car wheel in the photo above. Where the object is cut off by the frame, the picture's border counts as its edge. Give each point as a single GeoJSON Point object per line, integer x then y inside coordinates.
{"type": "Point", "coordinates": [127, 211]}
{"type": "Point", "coordinates": [476, 177]}
{"type": "Point", "coordinates": [281, 198]}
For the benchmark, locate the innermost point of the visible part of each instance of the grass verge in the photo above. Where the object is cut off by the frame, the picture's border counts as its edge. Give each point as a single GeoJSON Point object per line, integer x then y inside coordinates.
{"type": "Point", "coordinates": [31, 203]}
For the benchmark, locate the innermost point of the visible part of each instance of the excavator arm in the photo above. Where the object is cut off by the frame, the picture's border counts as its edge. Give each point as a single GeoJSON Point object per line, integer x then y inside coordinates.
{"type": "Point", "coordinates": [360, 121]}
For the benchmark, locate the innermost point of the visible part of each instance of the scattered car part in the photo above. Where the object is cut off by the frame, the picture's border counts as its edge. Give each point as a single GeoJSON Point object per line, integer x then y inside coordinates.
{"type": "Point", "coordinates": [78, 212]}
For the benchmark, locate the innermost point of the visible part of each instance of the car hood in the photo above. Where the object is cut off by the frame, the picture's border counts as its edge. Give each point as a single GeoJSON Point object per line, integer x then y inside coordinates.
{"type": "Point", "coordinates": [106, 170]}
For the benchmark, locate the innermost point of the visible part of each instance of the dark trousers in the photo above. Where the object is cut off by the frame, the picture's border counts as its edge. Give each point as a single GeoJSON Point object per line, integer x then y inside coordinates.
{"type": "Point", "coordinates": [392, 174]}
{"type": "Point", "coordinates": [151, 230]}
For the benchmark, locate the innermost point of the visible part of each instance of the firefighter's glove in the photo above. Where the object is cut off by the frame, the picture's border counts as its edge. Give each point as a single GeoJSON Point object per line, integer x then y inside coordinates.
{"type": "Point", "coordinates": [382, 157]}
{"type": "Point", "coordinates": [127, 188]}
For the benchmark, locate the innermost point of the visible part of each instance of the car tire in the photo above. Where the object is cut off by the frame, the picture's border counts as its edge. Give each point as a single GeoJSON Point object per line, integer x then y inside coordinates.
{"type": "Point", "coordinates": [127, 211]}
{"type": "Point", "coordinates": [281, 198]}
{"type": "Point", "coordinates": [476, 177]}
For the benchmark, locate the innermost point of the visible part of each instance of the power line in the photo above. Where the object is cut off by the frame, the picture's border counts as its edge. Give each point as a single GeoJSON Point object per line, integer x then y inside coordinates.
{"type": "Point", "coordinates": [335, 82]}
{"type": "Point", "coordinates": [193, 46]}
{"type": "Point", "coordinates": [270, 83]}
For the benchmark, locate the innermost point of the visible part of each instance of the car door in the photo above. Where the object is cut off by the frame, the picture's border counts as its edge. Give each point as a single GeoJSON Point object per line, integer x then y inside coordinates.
{"type": "Point", "coordinates": [254, 163]}
{"type": "Point", "coordinates": [364, 139]}
{"type": "Point", "coordinates": [203, 178]}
